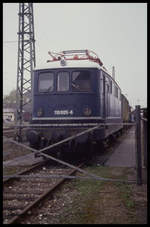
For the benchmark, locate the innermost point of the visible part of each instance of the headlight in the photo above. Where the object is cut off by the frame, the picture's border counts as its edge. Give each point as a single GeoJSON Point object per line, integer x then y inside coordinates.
{"type": "Point", "coordinates": [40, 112]}
{"type": "Point", "coordinates": [87, 111]}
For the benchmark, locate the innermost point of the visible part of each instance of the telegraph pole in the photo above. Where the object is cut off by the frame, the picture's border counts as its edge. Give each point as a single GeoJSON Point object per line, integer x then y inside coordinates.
{"type": "Point", "coordinates": [26, 61]}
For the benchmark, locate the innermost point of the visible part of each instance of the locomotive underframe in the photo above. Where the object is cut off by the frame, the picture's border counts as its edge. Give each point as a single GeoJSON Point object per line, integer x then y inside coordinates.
{"type": "Point", "coordinates": [44, 136]}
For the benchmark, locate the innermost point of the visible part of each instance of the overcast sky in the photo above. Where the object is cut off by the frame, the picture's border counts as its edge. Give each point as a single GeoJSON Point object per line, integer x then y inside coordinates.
{"type": "Point", "coordinates": [117, 32]}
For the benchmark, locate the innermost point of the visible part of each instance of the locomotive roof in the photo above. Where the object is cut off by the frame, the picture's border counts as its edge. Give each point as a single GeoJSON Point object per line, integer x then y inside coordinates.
{"type": "Point", "coordinates": [69, 64]}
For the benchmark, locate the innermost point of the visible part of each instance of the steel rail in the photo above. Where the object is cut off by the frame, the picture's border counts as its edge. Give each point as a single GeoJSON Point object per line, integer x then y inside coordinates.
{"type": "Point", "coordinates": [10, 177]}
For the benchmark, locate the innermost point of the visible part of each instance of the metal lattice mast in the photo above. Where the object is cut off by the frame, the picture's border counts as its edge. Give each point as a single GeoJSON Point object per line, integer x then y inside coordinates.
{"type": "Point", "coordinates": [26, 59]}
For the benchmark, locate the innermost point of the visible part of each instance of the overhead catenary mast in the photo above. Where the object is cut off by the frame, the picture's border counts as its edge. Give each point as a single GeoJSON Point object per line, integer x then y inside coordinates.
{"type": "Point", "coordinates": [26, 61]}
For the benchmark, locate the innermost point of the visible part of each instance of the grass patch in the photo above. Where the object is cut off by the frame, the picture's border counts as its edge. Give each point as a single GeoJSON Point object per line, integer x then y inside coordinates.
{"type": "Point", "coordinates": [126, 194]}
{"type": "Point", "coordinates": [101, 202]}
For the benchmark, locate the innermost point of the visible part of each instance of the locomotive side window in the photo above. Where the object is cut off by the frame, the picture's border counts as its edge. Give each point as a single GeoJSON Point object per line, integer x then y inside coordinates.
{"type": "Point", "coordinates": [107, 88]}
{"type": "Point", "coordinates": [111, 86]}
{"type": "Point", "coordinates": [46, 82]}
{"type": "Point", "coordinates": [63, 81]}
{"type": "Point", "coordinates": [119, 95]}
{"type": "Point", "coordinates": [101, 82]}
{"type": "Point", "coordinates": [116, 92]}
{"type": "Point", "coordinates": [81, 81]}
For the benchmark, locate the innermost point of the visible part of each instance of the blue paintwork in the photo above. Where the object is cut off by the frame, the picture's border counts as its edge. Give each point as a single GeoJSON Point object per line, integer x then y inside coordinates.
{"type": "Point", "coordinates": [102, 103]}
{"type": "Point", "coordinates": [70, 102]}
{"type": "Point", "coordinates": [52, 101]}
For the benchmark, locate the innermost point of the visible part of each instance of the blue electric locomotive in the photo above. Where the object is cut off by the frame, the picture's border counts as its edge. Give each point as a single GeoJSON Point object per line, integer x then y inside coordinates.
{"type": "Point", "coordinates": [71, 93]}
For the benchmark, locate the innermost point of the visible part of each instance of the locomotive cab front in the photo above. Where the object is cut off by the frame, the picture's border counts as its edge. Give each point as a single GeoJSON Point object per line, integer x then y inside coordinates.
{"type": "Point", "coordinates": [70, 97]}
{"type": "Point", "coordinates": [67, 99]}
{"type": "Point", "coordinates": [65, 94]}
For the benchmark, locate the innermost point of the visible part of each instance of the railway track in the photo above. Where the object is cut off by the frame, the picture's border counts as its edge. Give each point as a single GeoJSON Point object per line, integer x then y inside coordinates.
{"type": "Point", "coordinates": [8, 132]}
{"type": "Point", "coordinates": [8, 128]}
{"type": "Point", "coordinates": [11, 133]}
{"type": "Point", "coordinates": [22, 194]}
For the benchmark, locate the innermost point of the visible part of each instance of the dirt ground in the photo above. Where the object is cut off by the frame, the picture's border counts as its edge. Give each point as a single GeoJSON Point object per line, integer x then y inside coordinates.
{"type": "Point", "coordinates": [95, 202]}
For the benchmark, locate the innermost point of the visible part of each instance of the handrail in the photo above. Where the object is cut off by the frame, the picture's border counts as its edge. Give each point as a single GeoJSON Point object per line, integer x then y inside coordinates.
{"type": "Point", "coordinates": [74, 55]}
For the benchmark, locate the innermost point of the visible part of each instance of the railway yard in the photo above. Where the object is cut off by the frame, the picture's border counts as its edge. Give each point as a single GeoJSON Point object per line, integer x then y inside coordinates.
{"type": "Point", "coordinates": [101, 190]}
{"type": "Point", "coordinates": [74, 133]}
